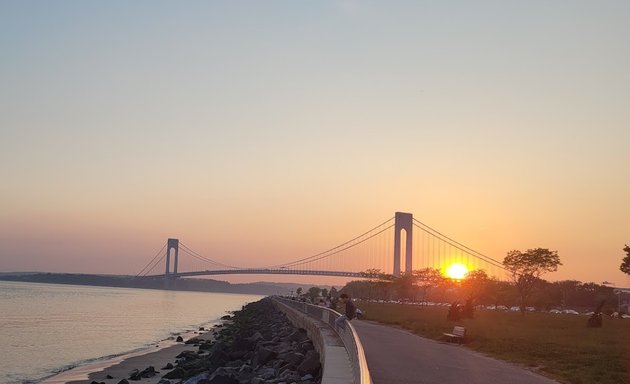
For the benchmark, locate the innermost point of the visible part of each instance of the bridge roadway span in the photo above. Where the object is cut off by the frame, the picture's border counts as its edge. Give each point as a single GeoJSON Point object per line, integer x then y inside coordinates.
{"type": "Point", "coordinates": [260, 271]}
{"type": "Point", "coordinates": [396, 356]}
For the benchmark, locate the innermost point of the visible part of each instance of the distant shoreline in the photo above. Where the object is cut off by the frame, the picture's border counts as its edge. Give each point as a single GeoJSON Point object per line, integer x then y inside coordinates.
{"type": "Point", "coordinates": [122, 281]}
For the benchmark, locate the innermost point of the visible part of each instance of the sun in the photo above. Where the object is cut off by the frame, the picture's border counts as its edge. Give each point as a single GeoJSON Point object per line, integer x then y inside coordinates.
{"type": "Point", "coordinates": [456, 271]}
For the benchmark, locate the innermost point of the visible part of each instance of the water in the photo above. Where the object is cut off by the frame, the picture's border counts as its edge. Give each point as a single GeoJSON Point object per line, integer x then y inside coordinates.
{"type": "Point", "coordinates": [48, 328]}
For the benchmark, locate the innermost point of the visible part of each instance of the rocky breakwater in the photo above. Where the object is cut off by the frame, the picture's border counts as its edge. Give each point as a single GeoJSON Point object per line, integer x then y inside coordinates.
{"type": "Point", "coordinates": [258, 346]}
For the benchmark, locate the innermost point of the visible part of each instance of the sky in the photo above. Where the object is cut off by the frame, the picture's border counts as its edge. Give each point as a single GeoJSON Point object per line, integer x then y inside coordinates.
{"type": "Point", "coordinates": [269, 131]}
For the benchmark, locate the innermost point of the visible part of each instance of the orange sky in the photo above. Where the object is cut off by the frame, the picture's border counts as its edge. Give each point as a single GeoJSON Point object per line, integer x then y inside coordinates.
{"type": "Point", "coordinates": [281, 130]}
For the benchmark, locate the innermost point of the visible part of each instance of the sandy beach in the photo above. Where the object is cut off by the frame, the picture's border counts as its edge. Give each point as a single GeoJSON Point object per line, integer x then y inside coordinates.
{"type": "Point", "coordinates": [120, 367]}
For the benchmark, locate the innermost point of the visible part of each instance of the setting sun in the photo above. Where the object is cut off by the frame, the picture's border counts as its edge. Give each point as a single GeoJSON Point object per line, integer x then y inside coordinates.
{"type": "Point", "coordinates": [456, 271]}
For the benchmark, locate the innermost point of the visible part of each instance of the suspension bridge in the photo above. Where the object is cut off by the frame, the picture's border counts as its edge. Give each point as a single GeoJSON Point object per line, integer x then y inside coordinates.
{"type": "Point", "coordinates": [383, 248]}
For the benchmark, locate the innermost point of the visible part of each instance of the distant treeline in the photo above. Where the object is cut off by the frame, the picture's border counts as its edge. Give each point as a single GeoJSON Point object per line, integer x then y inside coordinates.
{"type": "Point", "coordinates": [181, 284]}
{"type": "Point", "coordinates": [569, 294]}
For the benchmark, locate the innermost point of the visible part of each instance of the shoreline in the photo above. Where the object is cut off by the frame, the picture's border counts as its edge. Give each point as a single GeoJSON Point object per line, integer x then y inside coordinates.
{"type": "Point", "coordinates": [120, 367]}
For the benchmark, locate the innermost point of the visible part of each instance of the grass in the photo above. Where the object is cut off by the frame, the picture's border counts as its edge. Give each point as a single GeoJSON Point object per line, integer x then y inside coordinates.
{"type": "Point", "coordinates": [559, 346]}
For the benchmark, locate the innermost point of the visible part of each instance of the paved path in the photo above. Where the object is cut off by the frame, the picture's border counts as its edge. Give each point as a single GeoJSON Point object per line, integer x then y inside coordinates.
{"type": "Point", "coordinates": [396, 356]}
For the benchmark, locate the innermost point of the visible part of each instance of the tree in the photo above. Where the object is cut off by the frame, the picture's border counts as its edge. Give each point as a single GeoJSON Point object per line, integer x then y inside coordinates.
{"type": "Point", "coordinates": [426, 279]}
{"type": "Point", "coordinates": [313, 293]}
{"type": "Point", "coordinates": [299, 291]}
{"type": "Point", "coordinates": [404, 286]}
{"type": "Point", "coordinates": [527, 268]}
{"type": "Point", "coordinates": [475, 285]}
{"type": "Point", "coordinates": [625, 264]}
{"type": "Point", "coordinates": [373, 275]}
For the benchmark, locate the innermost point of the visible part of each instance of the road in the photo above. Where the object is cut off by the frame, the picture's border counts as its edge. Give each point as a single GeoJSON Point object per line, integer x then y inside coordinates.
{"type": "Point", "coordinates": [396, 356]}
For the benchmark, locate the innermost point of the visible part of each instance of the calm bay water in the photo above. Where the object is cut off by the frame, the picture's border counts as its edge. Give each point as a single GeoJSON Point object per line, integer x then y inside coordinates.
{"type": "Point", "coordinates": [46, 328]}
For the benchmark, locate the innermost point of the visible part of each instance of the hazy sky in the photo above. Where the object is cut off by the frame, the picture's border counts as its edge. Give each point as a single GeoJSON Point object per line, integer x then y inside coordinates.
{"type": "Point", "coordinates": [271, 130]}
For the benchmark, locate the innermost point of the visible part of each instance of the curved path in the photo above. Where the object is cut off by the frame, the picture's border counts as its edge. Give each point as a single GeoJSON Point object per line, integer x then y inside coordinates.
{"type": "Point", "coordinates": [396, 356]}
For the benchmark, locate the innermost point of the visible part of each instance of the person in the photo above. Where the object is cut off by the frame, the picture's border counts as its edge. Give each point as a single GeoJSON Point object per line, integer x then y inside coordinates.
{"type": "Point", "coordinates": [351, 311]}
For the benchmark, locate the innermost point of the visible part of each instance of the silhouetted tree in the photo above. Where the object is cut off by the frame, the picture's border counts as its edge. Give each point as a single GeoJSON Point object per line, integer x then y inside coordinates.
{"type": "Point", "coordinates": [313, 292]}
{"type": "Point", "coordinates": [625, 264]}
{"type": "Point", "coordinates": [475, 285]}
{"type": "Point", "coordinates": [404, 286]}
{"type": "Point", "coordinates": [426, 279]}
{"type": "Point", "coordinates": [527, 267]}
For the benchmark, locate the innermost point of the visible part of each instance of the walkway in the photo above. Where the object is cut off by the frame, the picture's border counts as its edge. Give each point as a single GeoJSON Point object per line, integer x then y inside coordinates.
{"type": "Point", "coordinates": [396, 356]}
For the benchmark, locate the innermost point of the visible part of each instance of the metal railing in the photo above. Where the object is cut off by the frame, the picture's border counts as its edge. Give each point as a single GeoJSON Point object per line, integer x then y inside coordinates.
{"type": "Point", "coordinates": [347, 333]}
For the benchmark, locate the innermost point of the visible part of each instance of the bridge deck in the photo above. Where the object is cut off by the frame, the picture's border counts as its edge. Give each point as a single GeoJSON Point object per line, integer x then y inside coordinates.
{"type": "Point", "coordinates": [265, 271]}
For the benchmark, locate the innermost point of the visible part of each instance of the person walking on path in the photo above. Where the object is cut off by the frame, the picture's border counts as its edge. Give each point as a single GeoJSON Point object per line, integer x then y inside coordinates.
{"type": "Point", "coordinates": [351, 311]}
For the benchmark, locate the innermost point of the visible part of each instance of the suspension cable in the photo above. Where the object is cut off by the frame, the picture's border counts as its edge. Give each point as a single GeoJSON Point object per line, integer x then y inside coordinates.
{"type": "Point", "coordinates": [334, 248]}
{"type": "Point", "coordinates": [458, 245]}
{"type": "Point", "coordinates": [301, 262]}
{"type": "Point", "coordinates": [151, 262]}
{"type": "Point", "coordinates": [201, 257]}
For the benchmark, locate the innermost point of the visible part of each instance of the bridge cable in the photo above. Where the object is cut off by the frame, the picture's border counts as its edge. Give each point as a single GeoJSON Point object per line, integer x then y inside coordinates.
{"type": "Point", "coordinates": [151, 262]}
{"type": "Point", "coordinates": [199, 256]}
{"type": "Point", "coordinates": [458, 245]}
{"type": "Point", "coordinates": [302, 262]}
{"type": "Point", "coordinates": [155, 265]}
{"type": "Point", "coordinates": [331, 249]}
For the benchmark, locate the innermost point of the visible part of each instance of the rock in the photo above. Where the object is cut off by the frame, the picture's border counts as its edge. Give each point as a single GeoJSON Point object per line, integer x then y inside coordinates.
{"type": "Point", "coordinates": [148, 372]}
{"type": "Point", "coordinates": [179, 339]}
{"type": "Point", "coordinates": [168, 366]}
{"type": "Point", "coordinates": [205, 346]}
{"type": "Point", "coordinates": [237, 355]}
{"type": "Point", "coordinates": [298, 335]}
{"type": "Point", "coordinates": [197, 379]}
{"type": "Point", "coordinates": [164, 381]}
{"type": "Point", "coordinates": [222, 377]}
{"type": "Point", "coordinates": [226, 317]}
{"type": "Point", "coordinates": [256, 336]}
{"type": "Point", "coordinates": [123, 381]}
{"type": "Point", "coordinates": [294, 358]}
{"type": "Point", "coordinates": [177, 373]}
{"type": "Point", "coordinates": [218, 358]}
{"type": "Point", "coordinates": [109, 377]}
{"type": "Point", "coordinates": [202, 329]}
{"type": "Point", "coordinates": [308, 376]}
{"type": "Point", "coordinates": [267, 373]}
{"type": "Point", "coordinates": [258, 346]}
{"type": "Point", "coordinates": [263, 355]}
{"type": "Point", "coordinates": [310, 364]}
{"type": "Point", "coordinates": [243, 344]}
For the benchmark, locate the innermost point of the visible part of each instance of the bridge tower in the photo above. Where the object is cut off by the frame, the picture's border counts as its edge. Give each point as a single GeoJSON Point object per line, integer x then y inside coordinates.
{"type": "Point", "coordinates": [403, 222]}
{"type": "Point", "coordinates": [172, 244]}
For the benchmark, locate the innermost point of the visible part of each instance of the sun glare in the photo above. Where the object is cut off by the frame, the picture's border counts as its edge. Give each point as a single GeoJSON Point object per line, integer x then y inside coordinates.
{"type": "Point", "coordinates": [456, 271]}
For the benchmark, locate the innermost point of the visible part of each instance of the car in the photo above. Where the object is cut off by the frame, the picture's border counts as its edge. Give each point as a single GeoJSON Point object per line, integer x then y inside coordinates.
{"type": "Point", "coordinates": [570, 312]}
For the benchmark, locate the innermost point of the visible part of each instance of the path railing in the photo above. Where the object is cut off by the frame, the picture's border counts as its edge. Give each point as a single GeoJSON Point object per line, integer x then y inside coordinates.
{"type": "Point", "coordinates": [348, 336]}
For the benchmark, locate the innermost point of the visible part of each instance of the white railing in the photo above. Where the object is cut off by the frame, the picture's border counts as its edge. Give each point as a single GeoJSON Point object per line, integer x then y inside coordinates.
{"type": "Point", "coordinates": [348, 336]}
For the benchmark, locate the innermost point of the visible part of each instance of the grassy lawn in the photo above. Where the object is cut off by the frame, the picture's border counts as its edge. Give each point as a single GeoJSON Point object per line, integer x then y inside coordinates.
{"type": "Point", "coordinates": [561, 346]}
